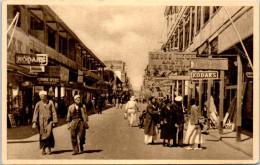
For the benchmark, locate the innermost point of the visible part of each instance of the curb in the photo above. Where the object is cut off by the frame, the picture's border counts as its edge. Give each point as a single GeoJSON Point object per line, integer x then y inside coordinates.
{"type": "Point", "coordinates": [231, 145]}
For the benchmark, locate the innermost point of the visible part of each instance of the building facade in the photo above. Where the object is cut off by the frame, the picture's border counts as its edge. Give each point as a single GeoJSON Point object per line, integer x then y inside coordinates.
{"type": "Point", "coordinates": [215, 32]}
{"type": "Point", "coordinates": [119, 68]}
{"type": "Point", "coordinates": [45, 54]}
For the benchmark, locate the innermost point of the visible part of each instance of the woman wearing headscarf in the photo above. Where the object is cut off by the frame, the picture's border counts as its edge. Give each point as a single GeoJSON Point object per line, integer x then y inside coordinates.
{"type": "Point", "coordinates": [193, 135]}
{"type": "Point", "coordinates": [167, 128]}
{"type": "Point", "coordinates": [130, 110]}
{"type": "Point", "coordinates": [46, 118]}
{"type": "Point", "coordinates": [150, 125]}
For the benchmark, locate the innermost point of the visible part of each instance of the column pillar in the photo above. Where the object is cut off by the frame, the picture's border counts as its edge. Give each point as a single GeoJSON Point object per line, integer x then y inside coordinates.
{"type": "Point", "coordinates": [221, 101]}
{"type": "Point", "coordinates": [195, 20]}
{"type": "Point", "coordinates": [239, 99]}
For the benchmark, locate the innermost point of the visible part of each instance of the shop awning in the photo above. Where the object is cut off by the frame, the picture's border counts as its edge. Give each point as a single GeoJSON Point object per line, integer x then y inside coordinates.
{"type": "Point", "coordinates": [20, 70]}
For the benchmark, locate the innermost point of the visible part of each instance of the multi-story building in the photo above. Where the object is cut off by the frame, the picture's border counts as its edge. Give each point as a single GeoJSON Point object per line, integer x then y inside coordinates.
{"type": "Point", "coordinates": [215, 32]}
{"type": "Point", "coordinates": [119, 68]}
{"type": "Point", "coordinates": [69, 67]}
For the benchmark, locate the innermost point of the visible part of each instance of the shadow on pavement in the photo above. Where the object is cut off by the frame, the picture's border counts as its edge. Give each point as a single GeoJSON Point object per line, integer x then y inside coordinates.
{"type": "Point", "coordinates": [60, 151]}
{"type": "Point", "coordinates": [29, 141]}
{"type": "Point", "coordinates": [90, 151]}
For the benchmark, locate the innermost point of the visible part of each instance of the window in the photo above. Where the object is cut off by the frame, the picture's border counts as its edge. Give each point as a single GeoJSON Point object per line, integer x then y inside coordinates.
{"type": "Point", "coordinates": [198, 18]}
{"type": "Point", "coordinates": [206, 14]}
{"type": "Point", "coordinates": [192, 24]}
{"type": "Point", "coordinates": [215, 9]}
{"type": "Point", "coordinates": [63, 45]}
{"type": "Point", "coordinates": [17, 10]}
{"type": "Point", "coordinates": [36, 24]}
{"type": "Point", "coordinates": [51, 38]}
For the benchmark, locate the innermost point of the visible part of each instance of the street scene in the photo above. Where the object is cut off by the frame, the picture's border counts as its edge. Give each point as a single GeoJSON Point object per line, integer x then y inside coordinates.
{"type": "Point", "coordinates": [130, 83]}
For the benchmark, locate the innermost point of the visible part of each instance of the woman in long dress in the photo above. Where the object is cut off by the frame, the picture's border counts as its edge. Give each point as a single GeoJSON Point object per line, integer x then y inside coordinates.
{"type": "Point", "coordinates": [131, 109]}
{"type": "Point", "coordinates": [167, 128]}
{"type": "Point", "coordinates": [193, 135]}
{"type": "Point", "coordinates": [150, 125]}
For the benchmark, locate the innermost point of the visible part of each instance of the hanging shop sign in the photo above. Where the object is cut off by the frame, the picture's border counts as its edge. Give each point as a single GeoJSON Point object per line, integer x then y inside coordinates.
{"type": "Point", "coordinates": [37, 69]}
{"type": "Point", "coordinates": [169, 61]}
{"type": "Point", "coordinates": [31, 59]}
{"type": "Point", "coordinates": [209, 63]}
{"type": "Point", "coordinates": [201, 75]}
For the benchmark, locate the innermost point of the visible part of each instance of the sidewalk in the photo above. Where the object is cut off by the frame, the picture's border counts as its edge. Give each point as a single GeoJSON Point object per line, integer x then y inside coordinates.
{"type": "Point", "coordinates": [25, 131]}
{"type": "Point", "coordinates": [229, 138]}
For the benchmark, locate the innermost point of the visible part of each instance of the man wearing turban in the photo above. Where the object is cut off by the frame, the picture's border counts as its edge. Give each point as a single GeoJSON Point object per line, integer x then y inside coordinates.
{"type": "Point", "coordinates": [77, 123]}
{"type": "Point", "coordinates": [46, 118]}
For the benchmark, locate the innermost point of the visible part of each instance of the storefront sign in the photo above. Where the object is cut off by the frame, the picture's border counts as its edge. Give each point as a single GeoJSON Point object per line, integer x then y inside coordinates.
{"type": "Point", "coordinates": [48, 80]}
{"type": "Point", "coordinates": [209, 63]}
{"type": "Point", "coordinates": [169, 61]}
{"type": "Point", "coordinates": [31, 59]}
{"type": "Point", "coordinates": [56, 71]}
{"type": "Point", "coordinates": [204, 75]}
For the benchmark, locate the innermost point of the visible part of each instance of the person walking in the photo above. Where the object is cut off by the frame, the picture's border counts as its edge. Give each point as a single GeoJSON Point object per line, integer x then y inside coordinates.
{"type": "Point", "coordinates": [167, 126]}
{"type": "Point", "coordinates": [150, 125]}
{"type": "Point", "coordinates": [131, 110]}
{"type": "Point", "coordinates": [117, 103]}
{"type": "Point", "coordinates": [77, 123]}
{"type": "Point", "coordinates": [100, 105]}
{"type": "Point", "coordinates": [193, 135]}
{"type": "Point", "coordinates": [179, 121]}
{"type": "Point", "coordinates": [93, 104]}
{"type": "Point", "coordinates": [45, 117]}
{"type": "Point", "coordinates": [114, 102]}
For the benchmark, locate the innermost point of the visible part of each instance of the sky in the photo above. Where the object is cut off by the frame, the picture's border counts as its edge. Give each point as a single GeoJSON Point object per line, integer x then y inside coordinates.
{"type": "Point", "coordinates": [124, 33]}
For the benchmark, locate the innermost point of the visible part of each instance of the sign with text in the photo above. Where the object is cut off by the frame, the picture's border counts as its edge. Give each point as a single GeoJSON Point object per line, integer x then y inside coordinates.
{"type": "Point", "coordinates": [37, 69]}
{"type": "Point", "coordinates": [31, 59]}
{"type": "Point", "coordinates": [209, 63]}
{"type": "Point", "coordinates": [169, 61]}
{"type": "Point", "coordinates": [198, 75]}
{"type": "Point", "coordinates": [48, 80]}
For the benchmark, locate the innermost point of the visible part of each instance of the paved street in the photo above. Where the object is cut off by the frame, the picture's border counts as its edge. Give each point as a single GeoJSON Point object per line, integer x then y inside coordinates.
{"type": "Point", "coordinates": [110, 137]}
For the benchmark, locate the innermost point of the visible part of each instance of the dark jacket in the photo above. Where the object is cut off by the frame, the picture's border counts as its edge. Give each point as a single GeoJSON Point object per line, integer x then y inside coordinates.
{"type": "Point", "coordinates": [168, 129]}
{"type": "Point", "coordinates": [179, 116]}
{"type": "Point", "coordinates": [150, 120]}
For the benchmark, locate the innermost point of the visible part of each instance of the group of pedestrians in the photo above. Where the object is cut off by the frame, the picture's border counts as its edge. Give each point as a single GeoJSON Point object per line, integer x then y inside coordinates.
{"type": "Point", "coordinates": [167, 118]}
{"type": "Point", "coordinates": [117, 102]}
{"type": "Point", "coordinates": [45, 118]}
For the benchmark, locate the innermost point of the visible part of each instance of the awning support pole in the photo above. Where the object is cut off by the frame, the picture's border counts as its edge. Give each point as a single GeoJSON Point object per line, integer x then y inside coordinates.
{"type": "Point", "coordinates": [239, 38]}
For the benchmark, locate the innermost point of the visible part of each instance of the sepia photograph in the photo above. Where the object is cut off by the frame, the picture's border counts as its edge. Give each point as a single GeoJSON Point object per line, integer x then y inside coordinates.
{"type": "Point", "coordinates": [130, 82]}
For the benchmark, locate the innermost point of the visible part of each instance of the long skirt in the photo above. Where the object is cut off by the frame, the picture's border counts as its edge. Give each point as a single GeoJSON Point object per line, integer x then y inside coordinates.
{"type": "Point", "coordinates": [193, 135]}
{"type": "Point", "coordinates": [149, 138]}
{"type": "Point", "coordinates": [131, 116]}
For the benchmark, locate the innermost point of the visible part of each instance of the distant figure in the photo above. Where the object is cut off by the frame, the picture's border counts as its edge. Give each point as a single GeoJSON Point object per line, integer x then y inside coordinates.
{"type": "Point", "coordinates": [120, 102]}
{"type": "Point", "coordinates": [131, 110]}
{"type": "Point", "coordinates": [100, 105]}
{"type": "Point", "coordinates": [94, 104]}
{"type": "Point", "coordinates": [141, 119]}
{"type": "Point", "coordinates": [77, 123]}
{"type": "Point", "coordinates": [117, 103]}
{"type": "Point", "coordinates": [46, 118]}
{"type": "Point", "coordinates": [114, 102]}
